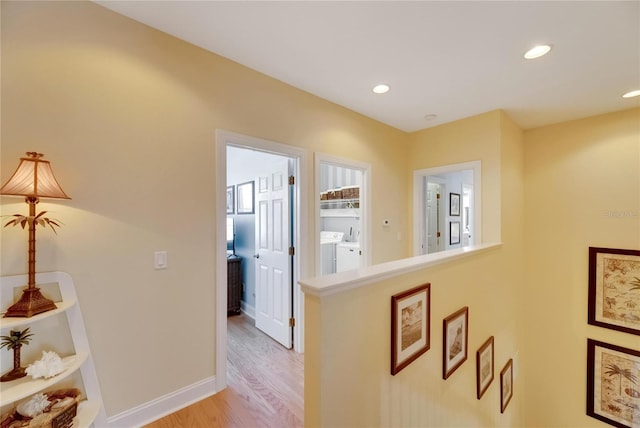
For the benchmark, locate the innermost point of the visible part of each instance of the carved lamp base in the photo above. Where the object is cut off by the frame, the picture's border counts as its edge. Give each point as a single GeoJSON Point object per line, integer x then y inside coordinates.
{"type": "Point", "coordinates": [31, 303]}
{"type": "Point", "coordinates": [14, 374]}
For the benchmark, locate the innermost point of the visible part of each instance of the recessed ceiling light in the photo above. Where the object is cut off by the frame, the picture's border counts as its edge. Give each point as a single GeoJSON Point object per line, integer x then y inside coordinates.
{"type": "Point", "coordinates": [381, 88]}
{"type": "Point", "coordinates": [632, 94]}
{"type": "Point", "coordinates": [430, 117]}
{"type": "Point", "coordinates": [537, 51]}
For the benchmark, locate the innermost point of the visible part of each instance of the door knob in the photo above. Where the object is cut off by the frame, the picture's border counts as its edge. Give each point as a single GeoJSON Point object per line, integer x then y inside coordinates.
{"type": "Point", "coordinates": [257, 256]}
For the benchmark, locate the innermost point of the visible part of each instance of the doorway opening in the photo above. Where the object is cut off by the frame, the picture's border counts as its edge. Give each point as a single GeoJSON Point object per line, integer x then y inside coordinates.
{"type": "Point", "coordinates": [242, 202]}
{"type": "Point", "coordinates": [342, 193]}
{"type": "Point", "coordinates": [447, 207]}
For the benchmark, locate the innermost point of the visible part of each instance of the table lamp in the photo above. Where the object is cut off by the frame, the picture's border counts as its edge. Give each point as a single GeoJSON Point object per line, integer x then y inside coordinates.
{"type": "Point", "coordinates": [33, 179]}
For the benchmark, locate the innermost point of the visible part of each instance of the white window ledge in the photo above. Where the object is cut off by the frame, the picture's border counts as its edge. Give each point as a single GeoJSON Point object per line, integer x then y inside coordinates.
{"type": "Point", "coordinates": [338, 282]}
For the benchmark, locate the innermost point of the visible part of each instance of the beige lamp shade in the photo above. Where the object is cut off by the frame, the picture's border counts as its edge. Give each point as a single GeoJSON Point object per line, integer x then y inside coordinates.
{"type": "Point", "coordinates": [33, 178]}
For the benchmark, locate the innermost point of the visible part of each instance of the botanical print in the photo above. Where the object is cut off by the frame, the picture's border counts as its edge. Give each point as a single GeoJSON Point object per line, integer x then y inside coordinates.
{"type": "Point", "coordinates": [485, 365]}
{"type": "Point", "coordinates": [454, 233]}
{"type": "Point", "coordinates": [455, 340]}
{"type": "Point", "coordinates": [411, 324]}
{"type": "Point", "coordinates": [617, 393]}
{"type": "Point", "coordinates": [506, 385]}
{"type": "Point", "coordinates": [454, 204]}
{"type": "Point", "coordinates": [618, 281]}
{"type": "Point", "coordinates": [230, 201]}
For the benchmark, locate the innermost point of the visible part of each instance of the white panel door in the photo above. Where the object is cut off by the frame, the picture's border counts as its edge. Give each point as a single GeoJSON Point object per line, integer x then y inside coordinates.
{"type": "Point", "coordinates": [273, 262]}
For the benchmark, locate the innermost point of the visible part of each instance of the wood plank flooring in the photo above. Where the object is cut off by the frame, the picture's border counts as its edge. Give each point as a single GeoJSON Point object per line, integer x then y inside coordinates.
{"type": "Point", "coordinates": [265, 386]}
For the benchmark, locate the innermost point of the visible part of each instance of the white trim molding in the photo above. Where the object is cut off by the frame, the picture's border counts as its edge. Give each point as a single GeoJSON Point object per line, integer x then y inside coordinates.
{"type": "Point", "coordinates": [365, 203]}
{"type": "Point", "coordinates": [418, 199]}
{"type": "Point", "coordinates": [164, 405]}
{"type": "Point", "coordinates": [327, 285]}
{"type": "Point", "coordinates": [225, 139]}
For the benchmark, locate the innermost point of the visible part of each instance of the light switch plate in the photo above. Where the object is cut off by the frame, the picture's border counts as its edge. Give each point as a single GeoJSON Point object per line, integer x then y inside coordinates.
{"type": "Point", "coordinates": [160, 260]}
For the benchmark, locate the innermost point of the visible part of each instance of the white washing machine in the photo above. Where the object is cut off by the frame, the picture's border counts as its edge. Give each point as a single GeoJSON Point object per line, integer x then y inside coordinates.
{"type": "Point", "coordinates": [328, 241]}
{"type": "Point", "coordinates": [347, 256]}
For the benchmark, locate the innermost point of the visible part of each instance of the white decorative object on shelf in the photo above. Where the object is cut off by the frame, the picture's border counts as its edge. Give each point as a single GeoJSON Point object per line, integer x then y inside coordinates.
{"type": "Point", "coordinates": [48, 366]}
{"type": "Point", "coordinates": [34, 406]}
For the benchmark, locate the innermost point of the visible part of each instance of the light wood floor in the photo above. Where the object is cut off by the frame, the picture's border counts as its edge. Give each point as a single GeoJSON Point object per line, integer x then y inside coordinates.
{"type": "Point", "coordinates": [265, 386]}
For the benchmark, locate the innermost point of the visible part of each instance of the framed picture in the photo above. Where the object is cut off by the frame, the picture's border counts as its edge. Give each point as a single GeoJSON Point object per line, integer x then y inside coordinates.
{"type": "Point", "coordinates": [454, 204]}
{"type": "Point", "coordinates": [484, 367]}
{"type": "Point", "coordinates": [231, 200]}
{"type": "Point", "coordinates": [246, 195]}
{"type": "Point", "coordinates": [614, 289]}
{"type": "Point", "coordinates": [410, 326]}
{"type": "Point", "coordinates": [506, 385]}
{"type": "Point", "coordinates": [613, 390]}
{"type": "Point", "coordinates": [454, 232]}
{"type": "Point", "coordinates": [455, 335]}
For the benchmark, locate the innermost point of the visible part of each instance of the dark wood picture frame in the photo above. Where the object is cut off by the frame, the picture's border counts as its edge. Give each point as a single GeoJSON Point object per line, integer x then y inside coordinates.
{"type": "Point", "coordinates": [484, 367]}
{"type": "Point", "coordinates": [454, 204]}
{"type": "Point", "coordinates": [245, 196]}
{"type": "Point", "coordinates": [506, 385]}
{"type": "Point", "coordinates": [614, 289]}
{"type": "Point", "coordinates": [410, 326]}
{"type": "Point", "coordinates": [231, 199]}
{"type": "Point", "coordinates": [454, 232]}
{"type": "Point", "coordinates": [613, 380]}
{"type": "Point", "coordinates": [455, 335]}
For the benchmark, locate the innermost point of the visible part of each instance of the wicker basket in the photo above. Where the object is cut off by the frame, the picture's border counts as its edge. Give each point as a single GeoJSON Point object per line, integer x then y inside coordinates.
{"type": "Point", "coordinates": [60, 414]}
{"type": "Point", "coordinates": [334, 194]}
{"type": "Point", "coordinates": [351, 192]}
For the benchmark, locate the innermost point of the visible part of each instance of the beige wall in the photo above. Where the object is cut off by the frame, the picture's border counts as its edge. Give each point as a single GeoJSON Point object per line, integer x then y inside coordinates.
{"type": "Point", "coordinates": [471, 139]}
{"type": "Point", "coordinates": [127, 115]}
{"type": "Point", "coordinates": [347, 373]}
{"type": "Point", "coordinates": [582, 189]}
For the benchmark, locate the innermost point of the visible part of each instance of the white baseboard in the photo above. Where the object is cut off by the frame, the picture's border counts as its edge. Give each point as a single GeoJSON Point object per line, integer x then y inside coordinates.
{"type": "Point", "coordinates": [162, 406]}
{"type": "Point", "coordinates": [248, 310]}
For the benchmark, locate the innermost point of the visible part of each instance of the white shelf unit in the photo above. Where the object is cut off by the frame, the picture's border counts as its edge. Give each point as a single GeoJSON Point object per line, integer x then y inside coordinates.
{"type": "Point", "coordinates": [340, 208]}
{"type": "Point", "coordinates": [91, 411]}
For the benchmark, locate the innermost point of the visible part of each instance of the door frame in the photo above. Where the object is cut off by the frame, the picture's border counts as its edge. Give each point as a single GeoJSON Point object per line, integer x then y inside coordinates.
{"type": "Point", "coordinates": [223, 140]}
{"type": "Point", "coordinates": [419, 201]}
{"type": "Point", "coordinates": [365, 205]}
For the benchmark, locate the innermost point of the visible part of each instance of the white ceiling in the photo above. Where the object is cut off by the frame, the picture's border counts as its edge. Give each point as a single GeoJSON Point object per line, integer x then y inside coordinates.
{"type": "Point", "coordinates": [450, 58]}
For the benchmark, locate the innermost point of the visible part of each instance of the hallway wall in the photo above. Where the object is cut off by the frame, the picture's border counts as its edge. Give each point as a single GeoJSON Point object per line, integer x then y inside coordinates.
{"type": "Point", "coordinates": [128, 116]}
{"type": "Point", "coordinates": [582, 189]}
